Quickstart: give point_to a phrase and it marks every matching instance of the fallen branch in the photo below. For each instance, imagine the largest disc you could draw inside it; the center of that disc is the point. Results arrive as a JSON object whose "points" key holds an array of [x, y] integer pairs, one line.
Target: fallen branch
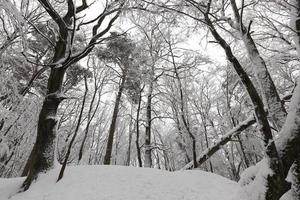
{"points": [[205, 155]]}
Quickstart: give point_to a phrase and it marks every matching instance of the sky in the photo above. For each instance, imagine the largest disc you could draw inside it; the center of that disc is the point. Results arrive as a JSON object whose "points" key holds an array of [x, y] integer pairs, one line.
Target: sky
{"points": [[194, 41]]}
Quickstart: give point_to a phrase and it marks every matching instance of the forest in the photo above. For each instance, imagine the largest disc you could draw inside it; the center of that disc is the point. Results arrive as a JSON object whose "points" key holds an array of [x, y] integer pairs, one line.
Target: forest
{"points": [[174, 85]]}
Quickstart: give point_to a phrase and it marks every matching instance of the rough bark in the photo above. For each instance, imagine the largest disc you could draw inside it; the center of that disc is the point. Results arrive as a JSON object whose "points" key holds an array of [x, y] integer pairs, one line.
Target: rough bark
{"points": [[62, 59], [295, 167], [275, 181], [288, 144], [46, 131]]}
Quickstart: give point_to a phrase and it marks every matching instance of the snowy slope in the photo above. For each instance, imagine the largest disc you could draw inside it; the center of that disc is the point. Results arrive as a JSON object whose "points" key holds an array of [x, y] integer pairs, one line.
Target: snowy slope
{"points": [[122, 183]]}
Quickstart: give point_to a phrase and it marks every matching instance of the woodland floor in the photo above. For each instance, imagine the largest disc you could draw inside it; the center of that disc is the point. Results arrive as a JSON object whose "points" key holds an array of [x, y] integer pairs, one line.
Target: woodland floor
{"points": [[122, 183]]}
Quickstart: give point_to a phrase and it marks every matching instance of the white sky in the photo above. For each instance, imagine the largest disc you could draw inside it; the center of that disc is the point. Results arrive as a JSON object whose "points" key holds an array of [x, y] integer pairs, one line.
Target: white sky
{"points": [[214, 51]]}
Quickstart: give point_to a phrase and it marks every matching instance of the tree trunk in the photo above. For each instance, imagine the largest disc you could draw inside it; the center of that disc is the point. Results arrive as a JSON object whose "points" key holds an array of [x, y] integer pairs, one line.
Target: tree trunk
{"points": [[269, 92], [90, 118], [137, 141], [46, 130], [62, 170], [182, 109], [275, 181], [233, 122], [296, 165], [111, 133], [128, 154], [206, 142], [148, 148], [218, 145]]}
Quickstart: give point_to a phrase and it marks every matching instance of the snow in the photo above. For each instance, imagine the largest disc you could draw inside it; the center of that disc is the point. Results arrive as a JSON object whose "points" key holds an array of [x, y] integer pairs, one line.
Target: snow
{"points": [[11, 10], [122, 183], [253, 182], [288, 196], [233, 132], [290, 129]]}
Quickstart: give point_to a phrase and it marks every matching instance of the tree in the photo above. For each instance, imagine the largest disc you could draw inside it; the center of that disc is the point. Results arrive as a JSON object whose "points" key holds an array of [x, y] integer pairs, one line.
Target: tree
{"points": [[120, 51], [276, 184], [63, 58]]}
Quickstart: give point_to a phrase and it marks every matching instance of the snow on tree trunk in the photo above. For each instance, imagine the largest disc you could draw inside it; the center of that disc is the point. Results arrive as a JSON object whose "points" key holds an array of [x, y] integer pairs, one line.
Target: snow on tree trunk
{"points": [[222, 141], [46, 131], [270, 95], [275, 180], [288, 150], [269, 92], [61, 60]]}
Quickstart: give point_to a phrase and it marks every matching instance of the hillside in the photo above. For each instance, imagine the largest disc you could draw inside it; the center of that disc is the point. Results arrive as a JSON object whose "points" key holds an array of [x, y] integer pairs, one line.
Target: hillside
{"points": [[122, 183]]}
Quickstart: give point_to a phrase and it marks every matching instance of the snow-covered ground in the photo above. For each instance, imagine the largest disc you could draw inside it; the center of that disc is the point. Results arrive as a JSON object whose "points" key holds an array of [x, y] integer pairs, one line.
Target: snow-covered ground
{"points": [[122, 183]]}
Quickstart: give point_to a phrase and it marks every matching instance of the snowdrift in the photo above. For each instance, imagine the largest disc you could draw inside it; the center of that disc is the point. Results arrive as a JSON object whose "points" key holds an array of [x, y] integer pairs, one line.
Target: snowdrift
{"points": [[121, 183]]}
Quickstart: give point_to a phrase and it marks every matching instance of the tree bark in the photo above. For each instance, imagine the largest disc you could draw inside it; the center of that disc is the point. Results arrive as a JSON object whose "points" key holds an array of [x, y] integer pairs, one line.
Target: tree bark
{"points": [[46, 131], [269, 92], [130, 132], [148, 148], [206, 142], [111, 132], [137, 140], [90, 117], [62, 59], [275, 181]]}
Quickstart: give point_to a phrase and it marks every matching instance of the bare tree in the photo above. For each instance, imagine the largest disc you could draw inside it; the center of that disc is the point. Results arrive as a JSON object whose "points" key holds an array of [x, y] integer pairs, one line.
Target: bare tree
{"points": [[64, 56]]}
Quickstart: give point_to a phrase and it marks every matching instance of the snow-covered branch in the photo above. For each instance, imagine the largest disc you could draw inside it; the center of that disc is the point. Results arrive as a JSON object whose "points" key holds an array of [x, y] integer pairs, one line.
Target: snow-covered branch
{"points": [[222, 141]]}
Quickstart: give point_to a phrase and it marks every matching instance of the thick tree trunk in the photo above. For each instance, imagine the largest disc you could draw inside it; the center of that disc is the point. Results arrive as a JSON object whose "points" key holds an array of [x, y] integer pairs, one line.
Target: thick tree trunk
{"points": [[269, 92], [46, 130], [46, 134], [275, 181], [295, 16]]}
